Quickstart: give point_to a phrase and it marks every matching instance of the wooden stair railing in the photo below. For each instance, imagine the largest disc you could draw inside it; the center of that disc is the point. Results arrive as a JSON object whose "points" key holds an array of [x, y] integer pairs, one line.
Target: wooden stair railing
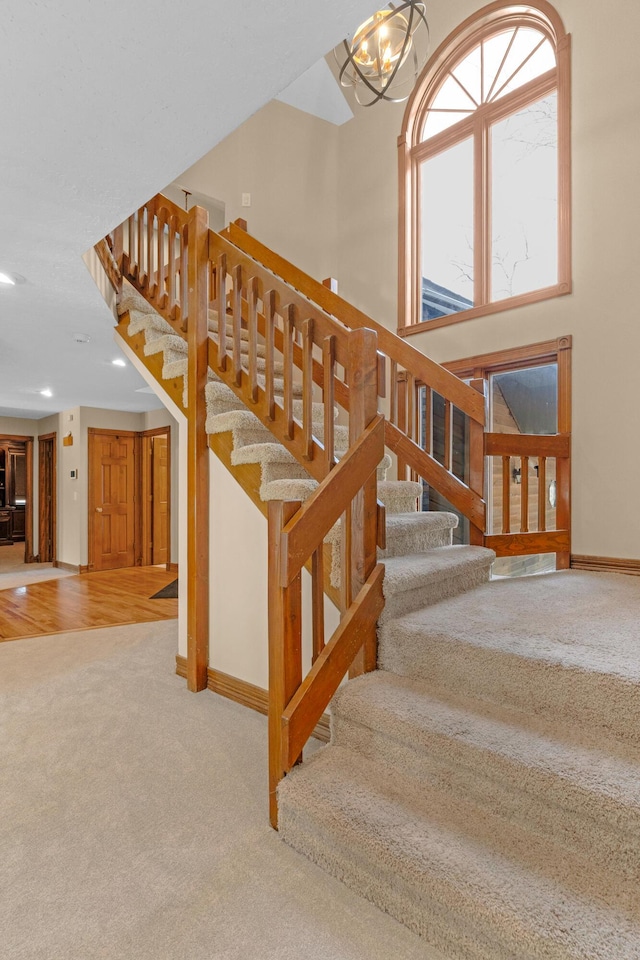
{"points": [[403, 364], [296, 534], [191, 275], [330, 350], [542, 527]]}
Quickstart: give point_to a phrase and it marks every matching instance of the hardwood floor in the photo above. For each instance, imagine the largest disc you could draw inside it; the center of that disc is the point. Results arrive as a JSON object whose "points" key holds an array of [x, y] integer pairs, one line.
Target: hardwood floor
{"points": [[81, 602]]}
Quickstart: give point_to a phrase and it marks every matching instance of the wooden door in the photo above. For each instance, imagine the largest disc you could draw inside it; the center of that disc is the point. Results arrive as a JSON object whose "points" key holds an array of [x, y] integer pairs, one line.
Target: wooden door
{"points": [[112, 513], [47, 498], [160, 498]]}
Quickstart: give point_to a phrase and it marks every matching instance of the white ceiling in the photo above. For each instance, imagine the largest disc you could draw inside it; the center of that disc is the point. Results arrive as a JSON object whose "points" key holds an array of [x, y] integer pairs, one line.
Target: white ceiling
{"points": [[102, 105]]}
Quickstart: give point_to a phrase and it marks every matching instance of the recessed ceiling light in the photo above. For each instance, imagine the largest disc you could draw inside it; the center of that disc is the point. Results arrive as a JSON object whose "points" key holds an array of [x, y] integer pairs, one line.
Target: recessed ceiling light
{"points": [[46, 393], [12, 278], [119, 362], [81, 337]]}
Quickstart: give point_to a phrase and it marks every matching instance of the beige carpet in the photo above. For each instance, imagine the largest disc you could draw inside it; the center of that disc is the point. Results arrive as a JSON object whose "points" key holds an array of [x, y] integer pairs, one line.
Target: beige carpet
{"points": [[484, 786], [133, 819]]}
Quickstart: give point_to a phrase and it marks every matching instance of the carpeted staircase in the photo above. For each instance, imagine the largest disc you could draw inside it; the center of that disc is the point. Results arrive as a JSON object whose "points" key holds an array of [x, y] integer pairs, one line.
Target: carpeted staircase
{"points": [[483, 785]]}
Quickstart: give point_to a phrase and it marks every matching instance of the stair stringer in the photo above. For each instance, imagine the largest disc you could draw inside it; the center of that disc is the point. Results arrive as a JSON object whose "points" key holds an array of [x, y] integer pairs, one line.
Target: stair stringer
{"points": [[250, 666], [247, 475]]}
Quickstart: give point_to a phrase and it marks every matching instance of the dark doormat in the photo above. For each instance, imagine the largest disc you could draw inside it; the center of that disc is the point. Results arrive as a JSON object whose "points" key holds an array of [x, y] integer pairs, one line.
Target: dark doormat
{"points": [[170, 592]]}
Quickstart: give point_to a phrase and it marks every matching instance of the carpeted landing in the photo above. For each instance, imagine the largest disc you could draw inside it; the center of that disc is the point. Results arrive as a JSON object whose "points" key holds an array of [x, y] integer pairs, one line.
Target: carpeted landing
{"points": [[134, 819], [483, 786]]}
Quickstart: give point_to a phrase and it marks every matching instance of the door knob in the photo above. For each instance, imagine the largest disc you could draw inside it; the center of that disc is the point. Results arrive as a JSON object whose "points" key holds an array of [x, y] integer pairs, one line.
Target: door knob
{"points": [[98, 509]]}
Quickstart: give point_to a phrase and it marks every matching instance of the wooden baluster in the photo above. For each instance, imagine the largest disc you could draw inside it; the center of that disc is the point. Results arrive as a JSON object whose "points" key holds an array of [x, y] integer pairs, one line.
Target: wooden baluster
{"points": [[346, 553], [152, 280], [307, 388], [133, 264], [236, 313], [524, 494], [285, 643], [142, 275], [172, 267], [477, 463], [411, 406], [448, 435], [402, 418], [382, 375], [506, 495], [329, 399], [161, 291], [428, 420], [271, 312], [118, 246], [363, 407], [393, 384], [289, 333], [197, 230], [542, 494], [317, 599], [184, 280], [255, 294], [221, 308]]}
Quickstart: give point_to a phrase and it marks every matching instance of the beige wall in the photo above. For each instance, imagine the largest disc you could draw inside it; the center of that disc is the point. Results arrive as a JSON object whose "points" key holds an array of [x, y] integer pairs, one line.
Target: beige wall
{"points": [[326, 197], [288, 161], [599, 314]]}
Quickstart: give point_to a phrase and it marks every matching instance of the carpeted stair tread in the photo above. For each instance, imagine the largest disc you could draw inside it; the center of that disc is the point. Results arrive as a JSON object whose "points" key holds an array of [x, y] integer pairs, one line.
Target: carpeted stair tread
{"points": [[143, 322], [164, 341], [582, 798], [262, 453], [458, 893], [129, 299], [539, 645], [289, 489]]}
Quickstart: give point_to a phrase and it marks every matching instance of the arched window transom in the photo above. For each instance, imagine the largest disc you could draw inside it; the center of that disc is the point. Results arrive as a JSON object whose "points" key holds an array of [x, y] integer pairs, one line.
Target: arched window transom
{"points": [[485, 157]]}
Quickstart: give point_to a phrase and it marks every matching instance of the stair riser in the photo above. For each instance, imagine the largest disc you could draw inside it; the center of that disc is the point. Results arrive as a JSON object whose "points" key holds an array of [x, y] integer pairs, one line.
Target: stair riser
{"points": [[430, 592], [605, 705], [600, 831], [404, 543], [283, 471]]}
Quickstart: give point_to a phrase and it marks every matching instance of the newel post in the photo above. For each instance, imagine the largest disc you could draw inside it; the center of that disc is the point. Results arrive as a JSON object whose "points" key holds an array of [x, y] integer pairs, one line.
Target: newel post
{"points": [[285, 642], [197, 451], [363, 407], [477, 463]]}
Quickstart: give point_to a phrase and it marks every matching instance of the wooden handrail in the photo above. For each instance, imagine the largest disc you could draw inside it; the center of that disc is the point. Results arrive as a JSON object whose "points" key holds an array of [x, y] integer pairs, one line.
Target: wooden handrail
{"points": [[459, 495], [527, 445], [407, 369], [397, 349]]}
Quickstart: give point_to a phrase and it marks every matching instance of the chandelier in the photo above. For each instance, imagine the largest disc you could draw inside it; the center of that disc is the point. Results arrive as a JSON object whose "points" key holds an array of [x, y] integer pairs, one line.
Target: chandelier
{"points": [[388, 50]]}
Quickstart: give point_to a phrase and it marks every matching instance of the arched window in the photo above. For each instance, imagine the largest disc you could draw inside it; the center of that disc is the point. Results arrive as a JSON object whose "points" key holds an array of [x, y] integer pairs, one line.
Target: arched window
{"points": [[485, 170]]}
